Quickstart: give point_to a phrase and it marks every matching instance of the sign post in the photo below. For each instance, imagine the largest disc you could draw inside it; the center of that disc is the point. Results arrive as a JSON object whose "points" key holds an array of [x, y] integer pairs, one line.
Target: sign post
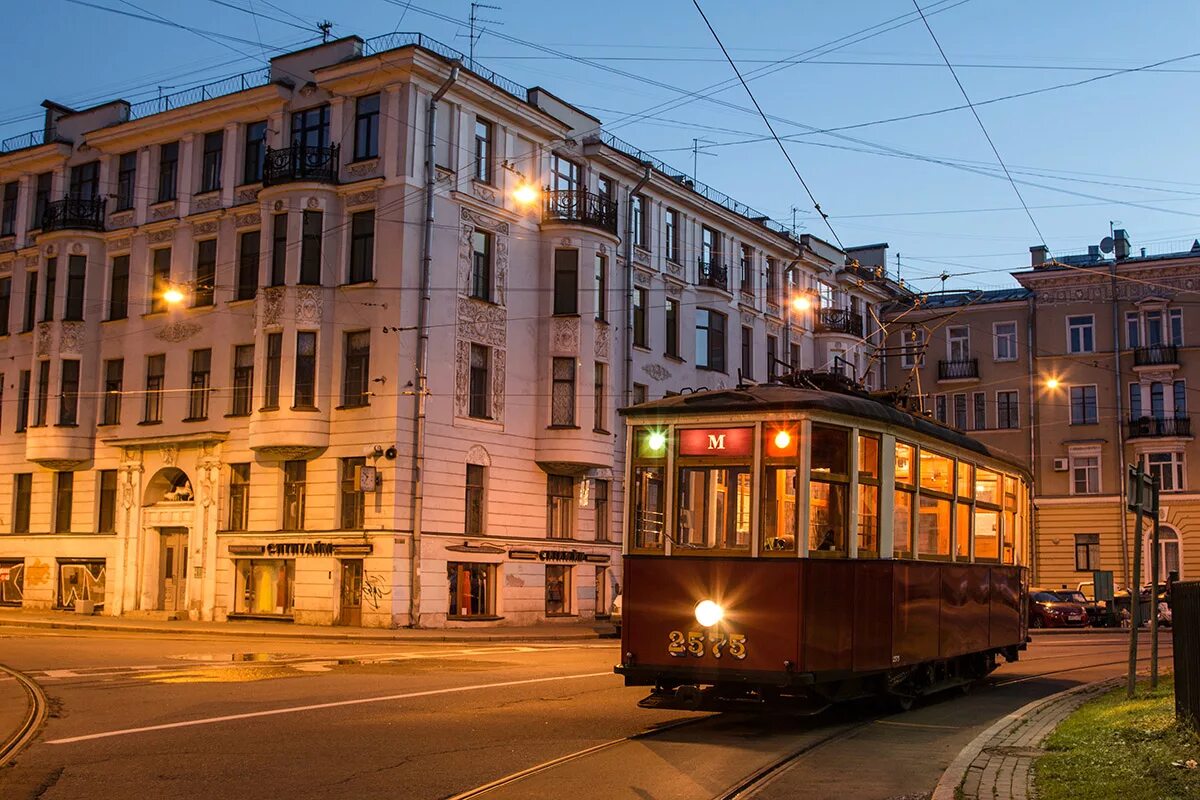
{"points": [[1141, 496], [1154, 594]]}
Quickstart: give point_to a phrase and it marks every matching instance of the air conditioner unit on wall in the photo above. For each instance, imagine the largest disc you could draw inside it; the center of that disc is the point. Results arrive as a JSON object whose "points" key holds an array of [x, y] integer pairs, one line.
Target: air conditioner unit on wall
{"points": [[1061, 465]]}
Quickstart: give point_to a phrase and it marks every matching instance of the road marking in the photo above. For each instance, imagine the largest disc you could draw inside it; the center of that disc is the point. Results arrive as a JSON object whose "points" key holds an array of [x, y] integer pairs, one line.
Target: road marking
{"points": [[918, 725], [317, 706]]}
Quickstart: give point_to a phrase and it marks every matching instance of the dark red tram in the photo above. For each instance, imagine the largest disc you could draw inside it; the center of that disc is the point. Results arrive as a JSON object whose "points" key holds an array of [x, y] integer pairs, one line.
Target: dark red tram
{"points": [[789, 544]]}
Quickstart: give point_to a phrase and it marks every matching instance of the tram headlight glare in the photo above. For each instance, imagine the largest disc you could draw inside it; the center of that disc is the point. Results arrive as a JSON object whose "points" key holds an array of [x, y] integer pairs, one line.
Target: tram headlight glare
{"points": [[783, 439], [656, 441], [709, 613]]}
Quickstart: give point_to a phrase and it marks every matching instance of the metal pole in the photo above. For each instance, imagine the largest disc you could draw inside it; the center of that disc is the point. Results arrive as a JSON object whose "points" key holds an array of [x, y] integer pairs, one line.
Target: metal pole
{"points": [[1120, 398], [1154, 594], [1134, 594]]}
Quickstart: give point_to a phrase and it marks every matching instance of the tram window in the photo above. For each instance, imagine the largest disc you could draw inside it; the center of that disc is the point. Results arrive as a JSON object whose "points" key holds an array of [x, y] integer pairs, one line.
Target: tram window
{"points": [[868, 520], [933, 528], [868, 457], [779, 509], [651, 445], [830, 450], [904, 463], [987, 534], [826, 517], [966, 480], [648, 496], [1008, 551], [962, 531], [937, 472], [714, 507], [781, 441], [902, 524], [987, 486]]}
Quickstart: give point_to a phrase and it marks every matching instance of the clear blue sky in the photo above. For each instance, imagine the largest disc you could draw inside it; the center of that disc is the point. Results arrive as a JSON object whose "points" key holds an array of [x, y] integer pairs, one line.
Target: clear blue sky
{"points": [[1099, 147]]}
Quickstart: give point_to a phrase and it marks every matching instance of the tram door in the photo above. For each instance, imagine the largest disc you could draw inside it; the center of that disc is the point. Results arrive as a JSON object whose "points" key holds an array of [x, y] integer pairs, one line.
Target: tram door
{"points": [[352, 584], [173, 568]]}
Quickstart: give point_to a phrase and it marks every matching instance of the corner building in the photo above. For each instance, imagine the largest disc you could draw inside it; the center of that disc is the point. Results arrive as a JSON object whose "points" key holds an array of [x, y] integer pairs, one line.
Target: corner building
{"points": [[225, 396]]}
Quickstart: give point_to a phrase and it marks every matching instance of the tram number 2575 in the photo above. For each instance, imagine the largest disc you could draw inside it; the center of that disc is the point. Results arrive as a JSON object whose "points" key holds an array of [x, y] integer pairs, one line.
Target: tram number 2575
{"points": [[695, 643]]}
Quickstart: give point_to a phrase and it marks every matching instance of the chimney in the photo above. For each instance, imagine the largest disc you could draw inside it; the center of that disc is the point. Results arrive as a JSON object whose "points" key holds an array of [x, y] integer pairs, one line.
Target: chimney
{"points": [[1038, 254], [1121, 245]]}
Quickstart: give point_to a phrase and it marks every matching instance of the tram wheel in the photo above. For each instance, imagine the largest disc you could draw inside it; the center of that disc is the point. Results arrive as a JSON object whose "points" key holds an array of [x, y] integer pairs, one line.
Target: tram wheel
{"points": [[901, 702]]}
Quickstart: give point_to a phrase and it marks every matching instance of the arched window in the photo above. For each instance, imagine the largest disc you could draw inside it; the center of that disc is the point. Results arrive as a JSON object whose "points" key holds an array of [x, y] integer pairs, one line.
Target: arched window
{"points": [[1170, 554]]}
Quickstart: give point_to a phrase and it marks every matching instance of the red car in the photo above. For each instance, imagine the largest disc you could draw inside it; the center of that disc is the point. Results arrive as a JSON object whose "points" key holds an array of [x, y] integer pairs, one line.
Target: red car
{"points": [[1050, 610]]}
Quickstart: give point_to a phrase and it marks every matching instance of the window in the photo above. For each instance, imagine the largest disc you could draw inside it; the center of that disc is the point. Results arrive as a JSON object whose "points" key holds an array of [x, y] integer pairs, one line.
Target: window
{"points": [[640, 393], [8, 217], [31, 289], [305, 389], [168, 166], [605, 187], [1006, 410], [481, 265], [43, 394], [1085, 474], [1168, 468], [41, 197], [118, 288], [295, 475], [1175, 326], [601, 287], [210, 163], [958, 343], [247, 271], [829, 471], [1087, 552], [1005, 335], [562, 397], [747, 269], [274, 367], [566, 281], [599, 406], [979, 411], [868, 496], [310, 248], [747, 352], [114, 383], [85, 181], [472, 589], [239, 496], [279, 235], [1179, 393], [160, 279], [641, 301], [564, 174], [1081, 334], [1157, 399], [637, 207], [912, 353], [199, 384], [22, 501], [603, 514], [366, 127], [106, 518], [960, 411], [310, 127], [23, 400], [558, 590], [473, 523], [710, 340], [243, 380], [5, 304], [479, 402], [264, 586], [671, 229], [51, 286], [356, 365], [68, 396], [773, 281], [902, 505], [939, 405], [1135, 400], [206, 273], [560, 500], [483, 150], [76, 280], [710, 256], [362, 246], [64, 495], [255, 152], [1083, 405], [772, 356], [353, 500], [155, 371]]}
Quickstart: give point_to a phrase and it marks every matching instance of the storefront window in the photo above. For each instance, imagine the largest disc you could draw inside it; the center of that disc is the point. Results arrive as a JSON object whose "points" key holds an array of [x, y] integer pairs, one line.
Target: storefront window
{"points": [[779, 509], [714, 507], [12, 582], [558, 589], [265, 586], [472, 589], [827, 517], [933, 528], [81, 580]]}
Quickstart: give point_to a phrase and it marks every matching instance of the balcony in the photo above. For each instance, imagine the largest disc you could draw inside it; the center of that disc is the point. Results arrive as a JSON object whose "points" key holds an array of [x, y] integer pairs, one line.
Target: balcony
{"points": [[581, 207], [839, 320], [965, 370], [301, 162], [1152, 427], [1156, 355], [713, 274], [74, 213]]}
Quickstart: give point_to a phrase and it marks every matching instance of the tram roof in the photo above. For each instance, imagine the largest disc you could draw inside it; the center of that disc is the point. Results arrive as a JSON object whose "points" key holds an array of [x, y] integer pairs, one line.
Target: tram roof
{"points": [[776, 397]]}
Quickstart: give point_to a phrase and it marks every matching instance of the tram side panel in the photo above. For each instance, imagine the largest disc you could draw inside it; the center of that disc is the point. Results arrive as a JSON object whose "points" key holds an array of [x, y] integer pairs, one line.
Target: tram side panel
{"points": [[873, 595], [828, 615], [1007, 627], [966, 612]]}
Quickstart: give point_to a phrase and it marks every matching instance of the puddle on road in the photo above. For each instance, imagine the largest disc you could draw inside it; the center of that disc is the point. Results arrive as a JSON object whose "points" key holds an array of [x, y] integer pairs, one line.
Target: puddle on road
{"points": [[236, 657], [221, 675]]}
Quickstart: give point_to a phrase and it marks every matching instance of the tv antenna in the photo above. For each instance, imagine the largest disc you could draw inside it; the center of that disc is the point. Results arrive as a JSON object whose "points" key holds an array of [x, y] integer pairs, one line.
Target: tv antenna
{"points": [[697, 151], [475, 20], [324, 26]]}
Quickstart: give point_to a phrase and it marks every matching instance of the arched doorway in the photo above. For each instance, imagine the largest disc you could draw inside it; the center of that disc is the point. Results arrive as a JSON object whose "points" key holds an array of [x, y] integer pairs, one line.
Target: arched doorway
{"points": [[170, 490], [1170, 554]]}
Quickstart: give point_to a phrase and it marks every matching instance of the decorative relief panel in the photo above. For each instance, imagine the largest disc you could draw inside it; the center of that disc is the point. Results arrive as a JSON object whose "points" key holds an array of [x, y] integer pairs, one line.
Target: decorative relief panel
{"points": [[603, 333], [498, 372], [674, 289], [247, 220], [207, 203], [313, 204], [164, 211], [483, 192], [6, 267], [675, 269], [363, 169], [205, 228], [157, 237], [462, 376], [500, 255], [481, 322], [71, 340], [485, 222], [564, 335], [119, 244], [245, 196], [175, 332], [45, 338], [656, 371], [363, 198], [8, 244], [642, 278], [270, 306], [76, 249], [308, 304], [774, 328], [747, 318], [641, 257]]}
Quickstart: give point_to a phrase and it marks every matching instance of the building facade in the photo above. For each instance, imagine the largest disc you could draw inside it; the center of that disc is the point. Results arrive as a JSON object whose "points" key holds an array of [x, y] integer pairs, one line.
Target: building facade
{"points": [[342, 342], [1085, 369]]}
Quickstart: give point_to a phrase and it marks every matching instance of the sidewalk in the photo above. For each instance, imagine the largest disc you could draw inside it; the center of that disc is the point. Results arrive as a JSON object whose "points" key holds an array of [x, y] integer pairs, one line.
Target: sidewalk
{"points": [[65, 620], [998, 764]]}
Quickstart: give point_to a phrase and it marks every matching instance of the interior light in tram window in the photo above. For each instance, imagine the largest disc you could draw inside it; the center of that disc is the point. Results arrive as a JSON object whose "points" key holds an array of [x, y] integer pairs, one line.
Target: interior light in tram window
{"points": [[651, 443], [783, 439], [657, 440], [782, 442]]}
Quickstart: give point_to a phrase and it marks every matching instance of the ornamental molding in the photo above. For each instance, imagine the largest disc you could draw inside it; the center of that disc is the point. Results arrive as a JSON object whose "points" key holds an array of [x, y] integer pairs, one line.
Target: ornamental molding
{"points": [[166, 235], [674, 289], [747, 318], [500, 254], [462, 381], [313, 204], [481, 322], [205, 228], [51, 250], [774, 328], [483, 192], [278, 205], [364, 198], [603, 337], [363, 169], [564, 335], [309, 302], [164, 211], [8, 244], [169, 454], [119, 244], [478, 456], [6, 267], [483, 221], [287, 452], [641, 257], [45, 338], [270, 306], [642, 277], [175, 332], [206, 203], [656, 371], [247, 220], [76, 249], [246, 196], [675, 269], [71, 338]]}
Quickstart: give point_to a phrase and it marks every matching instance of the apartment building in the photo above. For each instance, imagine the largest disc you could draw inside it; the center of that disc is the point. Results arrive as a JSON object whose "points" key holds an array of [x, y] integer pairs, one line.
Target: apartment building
{"points": [[1083, 370], [258, 338]]}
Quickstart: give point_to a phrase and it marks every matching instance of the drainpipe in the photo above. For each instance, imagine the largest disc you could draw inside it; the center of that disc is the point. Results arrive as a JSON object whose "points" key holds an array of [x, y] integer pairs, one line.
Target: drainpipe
{"points": [[1034, 418], [629, 283], [1131, 580], [422, 359]]}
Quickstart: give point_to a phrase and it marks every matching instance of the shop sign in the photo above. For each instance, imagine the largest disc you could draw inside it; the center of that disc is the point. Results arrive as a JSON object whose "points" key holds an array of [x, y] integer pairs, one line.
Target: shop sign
{"points": [[730, 442], [300, 549], [558, 556]]}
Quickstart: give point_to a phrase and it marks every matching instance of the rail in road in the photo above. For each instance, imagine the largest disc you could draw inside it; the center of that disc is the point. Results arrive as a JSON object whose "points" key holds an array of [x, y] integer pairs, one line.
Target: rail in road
{"points": [[30, 721]]}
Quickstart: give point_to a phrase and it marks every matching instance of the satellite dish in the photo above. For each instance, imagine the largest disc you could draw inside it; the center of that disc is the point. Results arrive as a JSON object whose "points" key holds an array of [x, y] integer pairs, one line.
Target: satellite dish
{"points": [[1106, 244]]}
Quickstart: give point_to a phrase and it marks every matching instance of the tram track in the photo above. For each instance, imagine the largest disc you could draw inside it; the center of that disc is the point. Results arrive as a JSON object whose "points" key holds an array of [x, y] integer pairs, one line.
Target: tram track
{"points": [[35, 715]]}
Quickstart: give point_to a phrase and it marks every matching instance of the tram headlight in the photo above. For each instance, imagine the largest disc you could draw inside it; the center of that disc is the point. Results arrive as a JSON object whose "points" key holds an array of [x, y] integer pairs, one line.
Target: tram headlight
{"points": [[709, 613]]}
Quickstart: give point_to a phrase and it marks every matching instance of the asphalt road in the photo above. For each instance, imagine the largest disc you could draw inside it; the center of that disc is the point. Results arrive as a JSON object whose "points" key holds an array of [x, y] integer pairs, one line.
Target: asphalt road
{"points": [[149, 716]]}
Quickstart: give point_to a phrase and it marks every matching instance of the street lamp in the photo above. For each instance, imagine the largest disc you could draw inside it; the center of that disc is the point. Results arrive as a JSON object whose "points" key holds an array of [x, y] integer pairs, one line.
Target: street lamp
{"points": [[172, 296], [1052, 383], [526, 194]]}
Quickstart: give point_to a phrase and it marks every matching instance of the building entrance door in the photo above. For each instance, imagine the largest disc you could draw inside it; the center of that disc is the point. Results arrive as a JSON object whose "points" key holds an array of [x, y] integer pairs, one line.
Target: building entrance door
{"points": [[352, 584], [172, 568]]}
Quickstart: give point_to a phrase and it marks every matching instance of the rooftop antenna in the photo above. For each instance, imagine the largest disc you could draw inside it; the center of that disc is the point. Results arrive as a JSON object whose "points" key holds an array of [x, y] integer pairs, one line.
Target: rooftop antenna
{"points": [[898, 278], [160, 97], [794, 210], [698, 151], [324, 26], [944, 276], [475, 19]]}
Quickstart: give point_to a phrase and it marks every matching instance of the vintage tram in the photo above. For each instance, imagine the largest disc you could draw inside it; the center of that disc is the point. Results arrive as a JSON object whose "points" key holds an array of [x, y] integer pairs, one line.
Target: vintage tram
{"points": [[801, 546]]}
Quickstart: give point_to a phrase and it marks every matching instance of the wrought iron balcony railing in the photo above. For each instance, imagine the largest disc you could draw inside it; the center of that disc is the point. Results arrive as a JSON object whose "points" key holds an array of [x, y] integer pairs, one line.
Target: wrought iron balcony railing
{"points": [[1155, 355], [714, 274], [582, 206], [74, 213], [1142, 427], [301, 162], [958, 370], [839, 320]]}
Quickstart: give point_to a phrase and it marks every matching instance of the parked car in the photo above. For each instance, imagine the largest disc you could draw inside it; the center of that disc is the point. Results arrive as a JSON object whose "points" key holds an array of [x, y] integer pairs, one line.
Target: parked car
{"points": [[1048, 610], [1097, 610], [614, 614]]}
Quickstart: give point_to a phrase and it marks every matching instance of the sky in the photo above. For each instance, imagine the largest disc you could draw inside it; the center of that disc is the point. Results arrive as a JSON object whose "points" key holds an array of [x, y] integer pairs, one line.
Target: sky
{"points": [[1118, 149]]}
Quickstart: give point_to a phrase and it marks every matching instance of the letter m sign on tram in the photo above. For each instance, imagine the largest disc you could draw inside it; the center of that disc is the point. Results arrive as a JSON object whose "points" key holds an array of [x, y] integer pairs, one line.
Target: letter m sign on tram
{"points": [[1140, 493]]}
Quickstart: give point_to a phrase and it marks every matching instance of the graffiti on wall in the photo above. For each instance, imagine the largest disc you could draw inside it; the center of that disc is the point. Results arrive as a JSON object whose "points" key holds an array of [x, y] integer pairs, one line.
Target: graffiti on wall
{"points": [[81, 580], [374, 590], [12, 583]]}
